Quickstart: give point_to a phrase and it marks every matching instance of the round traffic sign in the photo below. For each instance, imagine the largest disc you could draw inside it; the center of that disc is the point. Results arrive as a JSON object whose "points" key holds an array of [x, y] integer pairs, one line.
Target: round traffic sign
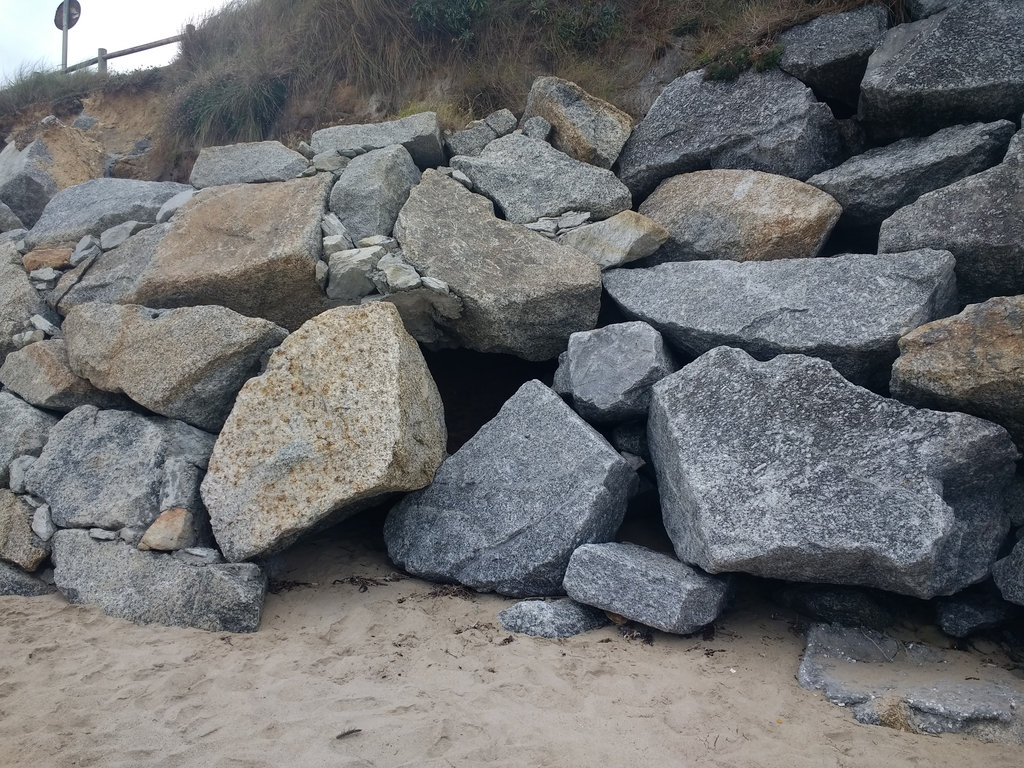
{"points": [[74, 13]]}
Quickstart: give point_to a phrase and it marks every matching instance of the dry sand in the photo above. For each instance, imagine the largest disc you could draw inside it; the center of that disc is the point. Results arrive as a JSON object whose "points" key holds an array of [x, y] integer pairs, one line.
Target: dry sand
{"points": [[351, 668]]}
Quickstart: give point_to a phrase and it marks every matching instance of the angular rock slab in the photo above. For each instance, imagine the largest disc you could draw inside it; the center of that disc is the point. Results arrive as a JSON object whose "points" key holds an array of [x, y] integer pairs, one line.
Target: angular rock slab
{"points": [[9, 219], [645, 586], [41, 375], [740, 216], [14, 581], [26, 181], [419, 134], [625, 237], [785, 470], [830, 53], [850, 310], [879, 678], [18, 545], [19, 301], [610, 371], [117, 469], [962, 65], [24, 431], [762, 121], [584, 127], [345, 414], [972, 362], [186, 364], [522, 294], [551, 618], [151, 588], [978, 220], [872, 186], [250, 248], [249, 163], [372, 190], [505, 513], [529, 179], [96, 206]]}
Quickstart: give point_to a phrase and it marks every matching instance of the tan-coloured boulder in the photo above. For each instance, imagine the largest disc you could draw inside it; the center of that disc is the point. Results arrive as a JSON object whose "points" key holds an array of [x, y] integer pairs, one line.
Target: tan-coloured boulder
{"points": [[251, 248], [174, 529], [41, 375], [625, 237], [971, 362], [522, 294], [185, 363], [55, 257], [345, 414], [17, 543], [740, 216], [584, 127]]}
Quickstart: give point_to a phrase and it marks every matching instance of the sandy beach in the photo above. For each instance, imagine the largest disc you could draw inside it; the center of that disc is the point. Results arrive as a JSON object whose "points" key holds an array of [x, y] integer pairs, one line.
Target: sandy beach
{"points": [[357, 665]]}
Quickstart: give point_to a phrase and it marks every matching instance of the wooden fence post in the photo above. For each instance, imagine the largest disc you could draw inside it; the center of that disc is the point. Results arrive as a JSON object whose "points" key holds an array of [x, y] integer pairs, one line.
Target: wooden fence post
{"points": [[101, 61]]}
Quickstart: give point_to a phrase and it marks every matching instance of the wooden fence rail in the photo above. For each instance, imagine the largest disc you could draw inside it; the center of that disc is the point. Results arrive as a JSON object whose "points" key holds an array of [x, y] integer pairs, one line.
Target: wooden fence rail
{"points": [[102, 57]]}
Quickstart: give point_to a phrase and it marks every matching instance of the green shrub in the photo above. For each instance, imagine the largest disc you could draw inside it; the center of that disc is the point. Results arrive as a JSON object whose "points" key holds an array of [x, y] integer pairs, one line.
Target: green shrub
{"points": [[227, 106]]}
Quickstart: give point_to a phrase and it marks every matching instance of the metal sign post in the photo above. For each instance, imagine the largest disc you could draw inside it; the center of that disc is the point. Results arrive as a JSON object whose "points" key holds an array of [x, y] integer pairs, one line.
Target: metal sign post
{"points": [[67, 15]]}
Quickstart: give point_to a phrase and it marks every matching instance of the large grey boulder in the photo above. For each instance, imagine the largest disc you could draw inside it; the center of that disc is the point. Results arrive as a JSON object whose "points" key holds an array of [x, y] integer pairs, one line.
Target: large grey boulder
{"points": [[645, 586], [14, 581], [97, 205], [19, 301], [345, 415], [26, 180], [978, 220], [872, 186], [1008, 574], [625, 237], [9, 219], [609, 372], [529, 179], [24, 431], [372, 190], [109, 277], [522, 294], [252, 248], [40, 374], [741, 216], [507, 510], [472, 139], [786, 470], [584, 127], [151, 588], [850, 310], [972, 362], [762, 121], [964, 64], [117, 469], [419, 134], [551, 618], [249, 163], [830, 53], [185, 364]]}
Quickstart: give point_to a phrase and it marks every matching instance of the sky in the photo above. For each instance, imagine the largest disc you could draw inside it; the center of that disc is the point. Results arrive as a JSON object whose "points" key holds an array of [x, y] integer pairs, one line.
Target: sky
{"points": [[29, 39]]}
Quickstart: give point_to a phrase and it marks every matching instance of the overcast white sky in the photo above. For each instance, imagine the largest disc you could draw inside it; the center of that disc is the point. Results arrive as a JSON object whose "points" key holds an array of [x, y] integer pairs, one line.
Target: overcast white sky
{"points": [[29, 38]]}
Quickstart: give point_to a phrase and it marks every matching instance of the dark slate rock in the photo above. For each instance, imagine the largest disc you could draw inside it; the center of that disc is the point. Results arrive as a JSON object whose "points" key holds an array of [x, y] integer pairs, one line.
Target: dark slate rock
{"points": [[978, 220], [14, 581], [847, 606], [529, 179], [878, 677], [9, 221], [850, 310], [551, 618], [26, 184], [830, 53], [921, 9], [645, 586], [786, 470], [609, 372], [97, 205], [631, 437], [152, 588], [763, 121], [1008, 574], [876, 184], [420, 134], [24, 431], [972, 611], [117, 469], [372, 190], [962, 65], [507, 510]]}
